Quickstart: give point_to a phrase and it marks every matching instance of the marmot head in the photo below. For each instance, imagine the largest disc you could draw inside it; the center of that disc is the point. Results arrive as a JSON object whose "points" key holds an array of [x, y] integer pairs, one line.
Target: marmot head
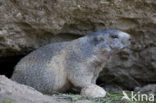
{"points": [[112, 40]]}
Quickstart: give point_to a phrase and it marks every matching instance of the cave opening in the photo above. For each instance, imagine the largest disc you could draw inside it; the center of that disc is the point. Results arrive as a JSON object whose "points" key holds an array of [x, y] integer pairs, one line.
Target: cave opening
{"points": [[7, 64]]}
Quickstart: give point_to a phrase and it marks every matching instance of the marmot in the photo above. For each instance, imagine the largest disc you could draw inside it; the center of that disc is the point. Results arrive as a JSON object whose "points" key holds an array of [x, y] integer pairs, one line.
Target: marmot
{"points": [[58, 66]]}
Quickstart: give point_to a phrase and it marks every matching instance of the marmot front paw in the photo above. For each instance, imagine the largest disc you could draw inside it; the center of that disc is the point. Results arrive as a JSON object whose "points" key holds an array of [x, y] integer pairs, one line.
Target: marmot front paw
{"points": [[93, 91]]}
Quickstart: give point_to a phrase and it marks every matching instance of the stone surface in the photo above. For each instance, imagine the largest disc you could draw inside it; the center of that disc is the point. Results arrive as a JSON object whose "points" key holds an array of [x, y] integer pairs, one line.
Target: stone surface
{"points": [[149, 89], [26, 25]]}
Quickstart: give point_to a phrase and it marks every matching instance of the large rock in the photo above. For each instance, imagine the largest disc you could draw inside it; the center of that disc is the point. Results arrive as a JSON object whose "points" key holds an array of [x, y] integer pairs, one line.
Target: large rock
{"points": [[29, 24]]}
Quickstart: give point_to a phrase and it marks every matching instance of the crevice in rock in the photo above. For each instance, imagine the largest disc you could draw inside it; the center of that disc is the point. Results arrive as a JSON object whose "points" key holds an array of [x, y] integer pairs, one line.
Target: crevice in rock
{"points": [[7, 64]]}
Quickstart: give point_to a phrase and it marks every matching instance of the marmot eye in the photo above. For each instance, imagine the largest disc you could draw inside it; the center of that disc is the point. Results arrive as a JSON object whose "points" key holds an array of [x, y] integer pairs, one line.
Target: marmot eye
{"points": [[114, 36]]}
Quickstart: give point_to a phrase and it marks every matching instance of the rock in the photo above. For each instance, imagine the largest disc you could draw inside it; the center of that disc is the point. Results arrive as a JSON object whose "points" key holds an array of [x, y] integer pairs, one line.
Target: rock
{"points": [[150, 89], [31, 24], [84, 101]]}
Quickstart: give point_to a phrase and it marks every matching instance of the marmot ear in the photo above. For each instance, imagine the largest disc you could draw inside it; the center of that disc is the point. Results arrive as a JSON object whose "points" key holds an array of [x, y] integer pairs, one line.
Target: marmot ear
{"points": [[99, 38]]}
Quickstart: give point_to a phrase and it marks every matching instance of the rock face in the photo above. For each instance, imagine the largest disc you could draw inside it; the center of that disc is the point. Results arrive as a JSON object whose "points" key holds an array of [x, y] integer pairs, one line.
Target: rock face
{"points": [[26, 25]]}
